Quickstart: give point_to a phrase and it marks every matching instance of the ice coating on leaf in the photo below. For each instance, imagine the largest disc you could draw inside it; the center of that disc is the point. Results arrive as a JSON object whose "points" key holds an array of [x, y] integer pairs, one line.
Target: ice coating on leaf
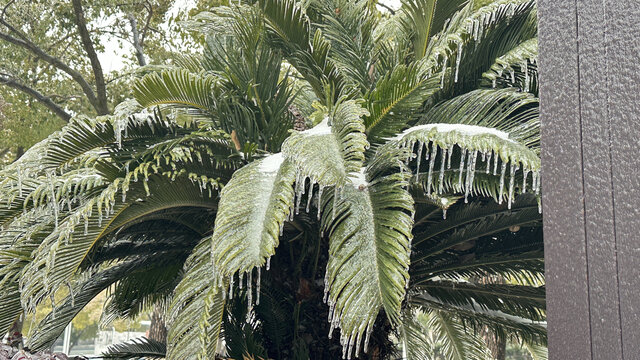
{"points": [[359, 179], [253, 206], [468, 130], [322, 128], [271, 164]]}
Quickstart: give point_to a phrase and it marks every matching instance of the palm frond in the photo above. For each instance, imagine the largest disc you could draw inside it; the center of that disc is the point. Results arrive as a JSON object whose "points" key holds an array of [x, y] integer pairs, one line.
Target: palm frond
{"points": [[177, 87], [331, 150], [196, 310], [253, 208], [136, 349], [369, 231]]}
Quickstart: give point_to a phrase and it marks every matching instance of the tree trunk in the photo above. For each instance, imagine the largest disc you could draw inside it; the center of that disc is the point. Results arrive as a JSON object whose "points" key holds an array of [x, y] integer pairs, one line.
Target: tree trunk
{"points": [[497, 345], [14, 336], [158, 329]]}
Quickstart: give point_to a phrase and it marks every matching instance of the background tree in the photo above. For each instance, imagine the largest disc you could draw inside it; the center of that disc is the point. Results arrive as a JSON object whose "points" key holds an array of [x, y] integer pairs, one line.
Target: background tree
{"points": [[52, 65]]}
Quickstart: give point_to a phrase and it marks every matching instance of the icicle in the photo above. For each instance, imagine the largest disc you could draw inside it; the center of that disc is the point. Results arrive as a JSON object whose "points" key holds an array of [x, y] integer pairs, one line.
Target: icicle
{"points": [[432, 160], [539, 180], [249, 292], [258, 287], [444, 71], [71, 294], [489, 154], [19, 181], [335, 201], [268, 263], [240, 275], [358, 341], [351, 342], [513, 76], [495, 164], [231, 287], [299, 192], [449, 156], [444, 214], [471, 168], [512, 179], [366, 338], [310, 195], [463, 155], [86, 226], [525, 174], [502, 172], [420, 146], [282, 228], [52, 200], [441, 177], [458, 59], [320, 188], [493, 83], [476, 26], [325, 297]]}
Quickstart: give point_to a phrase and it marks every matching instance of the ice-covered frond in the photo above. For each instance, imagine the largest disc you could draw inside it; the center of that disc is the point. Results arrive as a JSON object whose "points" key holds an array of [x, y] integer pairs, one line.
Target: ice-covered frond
{"points": [[290, 30], [422, 19], [330, 151], [369, 231], [396, 100], [478, 316], [253, 208], [518, 67], [194, 317], [472, 149], [432, 331], [79, 231], [467, 29], [79, 294], [466, 130]]}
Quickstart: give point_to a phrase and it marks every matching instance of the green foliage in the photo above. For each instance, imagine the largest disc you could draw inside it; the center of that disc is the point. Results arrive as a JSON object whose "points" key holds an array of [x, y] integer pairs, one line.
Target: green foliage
{"points": [[188, 195]]}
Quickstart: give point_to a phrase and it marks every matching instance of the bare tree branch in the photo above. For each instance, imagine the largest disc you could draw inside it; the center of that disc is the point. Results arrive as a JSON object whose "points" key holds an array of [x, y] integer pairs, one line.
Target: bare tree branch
{"points": [[101, 91], [137, 43], [45, 100], [75, 75]]}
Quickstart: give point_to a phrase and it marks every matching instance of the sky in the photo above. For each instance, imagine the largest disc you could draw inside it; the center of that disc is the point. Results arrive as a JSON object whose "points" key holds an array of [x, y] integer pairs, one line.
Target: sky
{"points": [[112, 59]]}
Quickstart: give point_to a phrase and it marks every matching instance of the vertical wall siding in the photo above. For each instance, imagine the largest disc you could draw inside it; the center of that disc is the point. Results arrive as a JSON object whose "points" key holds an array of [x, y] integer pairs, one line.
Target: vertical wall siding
{"points": [[590, 113]]}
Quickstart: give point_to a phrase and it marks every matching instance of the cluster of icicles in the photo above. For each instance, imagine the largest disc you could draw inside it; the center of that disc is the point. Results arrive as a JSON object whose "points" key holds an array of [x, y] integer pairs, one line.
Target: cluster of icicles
{"points": [[475, 29], [469, 164]]}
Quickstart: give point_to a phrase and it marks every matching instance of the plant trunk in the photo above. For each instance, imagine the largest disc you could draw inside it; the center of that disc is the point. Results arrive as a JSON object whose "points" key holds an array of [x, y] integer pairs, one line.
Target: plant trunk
{"points": [[158, 329], [496, 344]]}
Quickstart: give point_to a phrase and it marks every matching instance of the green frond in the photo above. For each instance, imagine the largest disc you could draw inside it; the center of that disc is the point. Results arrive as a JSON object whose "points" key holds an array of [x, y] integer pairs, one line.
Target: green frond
{"points": [[474, 317], [395, 100], [61, 254], [308, 53], [79, 295], [136, 349], [518, 67], [253, 209], [196, 310], [331, 150], [422, 19], [369, 233], [525, 301], [178, 87], [440, 145]]}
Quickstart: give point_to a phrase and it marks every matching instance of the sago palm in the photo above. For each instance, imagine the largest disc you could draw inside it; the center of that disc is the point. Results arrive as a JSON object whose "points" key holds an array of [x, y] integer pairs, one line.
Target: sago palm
{"points": [[414, 172]]}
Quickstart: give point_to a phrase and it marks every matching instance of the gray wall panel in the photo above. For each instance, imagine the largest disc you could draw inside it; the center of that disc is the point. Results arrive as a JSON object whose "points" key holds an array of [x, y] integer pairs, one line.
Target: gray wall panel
{"points": [[623, 54], [598, 191], [563, 205]]}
